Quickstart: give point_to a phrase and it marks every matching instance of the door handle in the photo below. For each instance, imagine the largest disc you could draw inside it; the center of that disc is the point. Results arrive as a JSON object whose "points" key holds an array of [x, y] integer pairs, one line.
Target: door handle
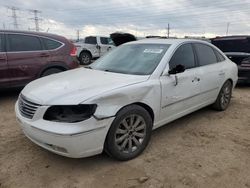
{"points": [[44, 55]]}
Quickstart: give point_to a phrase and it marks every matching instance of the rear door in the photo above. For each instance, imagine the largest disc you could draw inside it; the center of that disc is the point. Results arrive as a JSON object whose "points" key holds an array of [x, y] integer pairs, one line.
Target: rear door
{"points": [[26, 56], [212, 66], [105, 45], [4, 73]]}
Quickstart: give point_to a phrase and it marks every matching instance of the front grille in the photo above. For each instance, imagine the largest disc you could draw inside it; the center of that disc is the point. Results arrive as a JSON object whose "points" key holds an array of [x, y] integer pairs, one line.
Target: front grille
{"points": [[26, 107]]}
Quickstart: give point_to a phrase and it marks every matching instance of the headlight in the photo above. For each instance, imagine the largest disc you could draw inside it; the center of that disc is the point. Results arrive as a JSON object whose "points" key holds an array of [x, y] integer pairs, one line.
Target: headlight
{"points": [[70, 113]]}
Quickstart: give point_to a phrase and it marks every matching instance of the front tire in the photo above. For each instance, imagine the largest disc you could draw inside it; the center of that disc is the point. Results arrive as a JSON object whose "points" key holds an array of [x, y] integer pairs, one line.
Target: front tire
{"points": [[129, 133], [224, 97]]}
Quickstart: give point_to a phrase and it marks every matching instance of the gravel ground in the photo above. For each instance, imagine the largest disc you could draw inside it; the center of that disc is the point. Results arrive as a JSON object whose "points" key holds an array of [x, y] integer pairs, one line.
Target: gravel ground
{"points": [[204, 149]]}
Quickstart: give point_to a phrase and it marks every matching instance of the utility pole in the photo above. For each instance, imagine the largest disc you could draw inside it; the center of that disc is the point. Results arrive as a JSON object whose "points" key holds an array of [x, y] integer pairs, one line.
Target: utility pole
{"points": [[168, 30], [3, 25], [14, 16], [78, 35], [227, 28], [36, 19]]}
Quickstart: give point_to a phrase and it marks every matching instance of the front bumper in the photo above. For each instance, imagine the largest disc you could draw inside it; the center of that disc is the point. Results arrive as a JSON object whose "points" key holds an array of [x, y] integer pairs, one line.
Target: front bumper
{"points": [[75, 140]]}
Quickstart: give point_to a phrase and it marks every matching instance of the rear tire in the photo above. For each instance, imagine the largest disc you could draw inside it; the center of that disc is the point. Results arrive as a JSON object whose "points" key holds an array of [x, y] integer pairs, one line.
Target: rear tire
{"points": [[51, 71], [85, 58], [224, 97], [129, 133]]}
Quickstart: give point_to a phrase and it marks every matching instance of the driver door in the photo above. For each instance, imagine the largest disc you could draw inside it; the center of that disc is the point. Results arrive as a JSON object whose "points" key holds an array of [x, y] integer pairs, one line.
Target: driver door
{"points": [[180, 91]]}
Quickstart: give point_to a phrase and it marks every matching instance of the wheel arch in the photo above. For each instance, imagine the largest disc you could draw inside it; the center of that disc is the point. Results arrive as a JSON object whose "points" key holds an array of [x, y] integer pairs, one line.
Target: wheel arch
{"points": [[147, 108], [57, 66], [231, 80], [143, 105]]}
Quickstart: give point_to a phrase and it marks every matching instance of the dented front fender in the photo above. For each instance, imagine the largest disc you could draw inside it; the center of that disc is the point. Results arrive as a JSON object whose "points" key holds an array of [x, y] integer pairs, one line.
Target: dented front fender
{"points": [[109, 103]]}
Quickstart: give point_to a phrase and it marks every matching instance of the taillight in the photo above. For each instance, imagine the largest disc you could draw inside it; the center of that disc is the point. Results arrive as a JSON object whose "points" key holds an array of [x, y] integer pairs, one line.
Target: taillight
{"points": [[73, 51]]}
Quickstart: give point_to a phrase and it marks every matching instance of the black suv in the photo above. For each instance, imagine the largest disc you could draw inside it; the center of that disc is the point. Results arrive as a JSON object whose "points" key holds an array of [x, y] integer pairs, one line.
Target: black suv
{"points": [[237, 48]]}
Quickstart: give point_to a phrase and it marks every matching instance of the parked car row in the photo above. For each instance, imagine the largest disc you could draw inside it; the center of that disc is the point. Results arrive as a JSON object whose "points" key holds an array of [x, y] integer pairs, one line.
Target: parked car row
{"points": [[26, 56], [93, 47]]}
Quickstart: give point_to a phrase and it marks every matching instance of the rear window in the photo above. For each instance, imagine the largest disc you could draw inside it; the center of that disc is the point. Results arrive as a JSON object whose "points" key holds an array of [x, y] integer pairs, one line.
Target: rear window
{"points": [[23, 43], [51, 44], [90, 40], [233, 44], [106, 40]]}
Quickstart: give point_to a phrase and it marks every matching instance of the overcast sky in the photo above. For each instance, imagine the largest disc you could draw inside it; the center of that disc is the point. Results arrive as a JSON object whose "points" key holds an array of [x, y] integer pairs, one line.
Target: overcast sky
{"points": [[140, 17]]}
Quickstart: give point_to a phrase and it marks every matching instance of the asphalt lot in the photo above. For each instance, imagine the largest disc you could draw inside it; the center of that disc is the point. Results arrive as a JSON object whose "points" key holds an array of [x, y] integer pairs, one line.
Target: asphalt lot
{"points": [[204, 149]]}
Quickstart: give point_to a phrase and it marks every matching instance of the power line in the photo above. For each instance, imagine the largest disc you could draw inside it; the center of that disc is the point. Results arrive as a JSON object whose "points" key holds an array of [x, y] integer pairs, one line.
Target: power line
{"points": [[78, 35], [227, 28], [168, 30]]}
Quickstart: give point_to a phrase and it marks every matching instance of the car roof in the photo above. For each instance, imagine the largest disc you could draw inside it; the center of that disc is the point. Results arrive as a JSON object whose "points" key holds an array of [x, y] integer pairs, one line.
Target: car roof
{"points": [[44, 34], [97, 36], [233, 37], [166, 41]]}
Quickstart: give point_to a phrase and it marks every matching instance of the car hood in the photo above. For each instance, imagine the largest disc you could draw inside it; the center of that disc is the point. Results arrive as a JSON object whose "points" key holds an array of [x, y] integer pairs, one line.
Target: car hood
{"points": [[76, 86]]}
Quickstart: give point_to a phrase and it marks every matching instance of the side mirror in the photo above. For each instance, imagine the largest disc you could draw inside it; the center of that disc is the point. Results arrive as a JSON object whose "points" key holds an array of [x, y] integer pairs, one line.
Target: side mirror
{"points": [[178, 69]]}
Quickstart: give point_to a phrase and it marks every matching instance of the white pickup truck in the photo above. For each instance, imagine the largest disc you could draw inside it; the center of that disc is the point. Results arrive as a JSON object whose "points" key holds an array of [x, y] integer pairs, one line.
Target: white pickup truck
{"points": [[93, 47]]}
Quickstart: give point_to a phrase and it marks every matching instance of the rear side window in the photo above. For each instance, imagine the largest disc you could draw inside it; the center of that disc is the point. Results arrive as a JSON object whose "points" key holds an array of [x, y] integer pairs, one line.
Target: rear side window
{"points": [[51, 44], [219, 56], [104, 40], [90, 40], [23, 43], [205, 54], [184, 55]]}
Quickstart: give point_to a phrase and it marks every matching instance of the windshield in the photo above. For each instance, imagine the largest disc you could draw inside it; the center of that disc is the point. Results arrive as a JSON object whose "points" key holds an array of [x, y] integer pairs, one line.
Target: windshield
{"points": [[137, 59]]}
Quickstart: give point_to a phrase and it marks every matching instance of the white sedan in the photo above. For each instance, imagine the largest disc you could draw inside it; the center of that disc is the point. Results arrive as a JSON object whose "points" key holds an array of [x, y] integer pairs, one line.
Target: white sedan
{"points": [[114, 104]]}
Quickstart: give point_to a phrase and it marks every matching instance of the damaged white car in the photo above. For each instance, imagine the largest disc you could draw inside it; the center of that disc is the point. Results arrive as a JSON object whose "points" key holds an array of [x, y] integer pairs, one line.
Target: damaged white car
{"points": [[114, 104]]}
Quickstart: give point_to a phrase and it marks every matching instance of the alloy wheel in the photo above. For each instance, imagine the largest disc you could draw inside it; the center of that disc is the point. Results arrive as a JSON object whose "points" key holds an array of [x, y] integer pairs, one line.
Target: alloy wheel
{"points": [[225, 95], [85, 59], [130, 133]]}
